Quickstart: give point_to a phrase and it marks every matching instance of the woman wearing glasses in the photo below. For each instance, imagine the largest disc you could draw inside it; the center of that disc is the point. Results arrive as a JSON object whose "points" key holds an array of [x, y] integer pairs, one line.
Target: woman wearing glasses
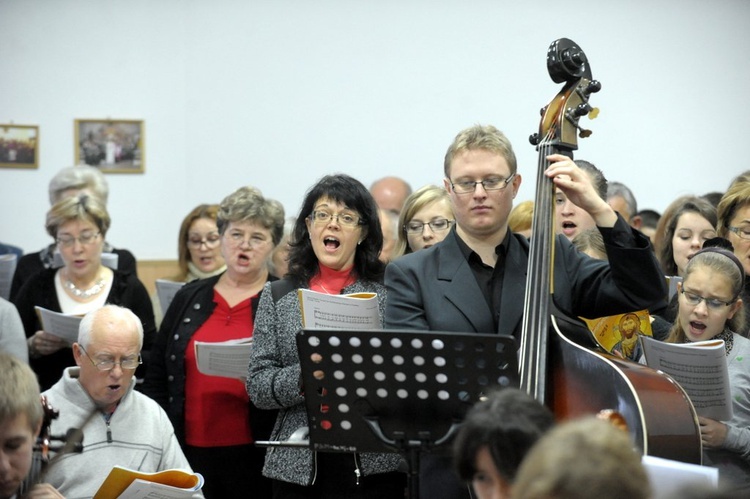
{"points": [[734, 225], [425, 220], [710, 307], [213, 418], [198, 252], [334, 250], [79, 226]]}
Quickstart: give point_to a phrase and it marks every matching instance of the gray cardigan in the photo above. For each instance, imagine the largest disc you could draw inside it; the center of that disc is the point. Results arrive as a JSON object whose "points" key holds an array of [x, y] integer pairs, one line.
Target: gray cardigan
{"points": [[273, 382]]}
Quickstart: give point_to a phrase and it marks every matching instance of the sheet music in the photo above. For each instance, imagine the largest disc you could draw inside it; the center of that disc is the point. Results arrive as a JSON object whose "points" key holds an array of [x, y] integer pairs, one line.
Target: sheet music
{"points": [[228, 359], [7, 269], [61, 325], [168, 484], [141, 489], [166, 290], [324, 311], [701, 370], [668, 477]]}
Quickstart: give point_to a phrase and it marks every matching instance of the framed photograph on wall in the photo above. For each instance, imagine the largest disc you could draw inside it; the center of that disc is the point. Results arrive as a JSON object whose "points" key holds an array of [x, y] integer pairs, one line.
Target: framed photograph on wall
{"points": [[114, 146], [19, 146]]}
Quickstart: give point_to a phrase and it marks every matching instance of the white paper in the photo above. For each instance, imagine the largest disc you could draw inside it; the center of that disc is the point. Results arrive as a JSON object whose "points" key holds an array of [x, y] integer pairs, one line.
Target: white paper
{"points": [[324, 311], [142, 489], [61, 325], [227, 358], [7, 269], [700, 368], [667, 477], [166, 290]]}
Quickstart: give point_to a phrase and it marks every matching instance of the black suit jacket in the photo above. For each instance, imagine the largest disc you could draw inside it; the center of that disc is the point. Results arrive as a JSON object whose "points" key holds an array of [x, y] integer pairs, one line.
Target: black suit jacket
{"points": [[435, 289]]}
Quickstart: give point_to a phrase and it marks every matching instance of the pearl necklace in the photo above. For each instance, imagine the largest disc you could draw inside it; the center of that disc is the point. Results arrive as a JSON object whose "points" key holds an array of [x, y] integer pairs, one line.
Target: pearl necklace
{"points": [[85, 293]]}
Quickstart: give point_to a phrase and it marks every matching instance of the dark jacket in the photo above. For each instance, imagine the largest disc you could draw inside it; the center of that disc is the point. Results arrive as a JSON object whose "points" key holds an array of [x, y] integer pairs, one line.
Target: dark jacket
{"points": [[127, 291], [31, 263], [165, 381]]}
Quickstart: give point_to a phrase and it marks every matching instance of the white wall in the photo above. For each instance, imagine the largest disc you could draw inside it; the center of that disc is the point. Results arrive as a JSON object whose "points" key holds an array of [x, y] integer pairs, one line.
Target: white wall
{"points": [[278, 93]]}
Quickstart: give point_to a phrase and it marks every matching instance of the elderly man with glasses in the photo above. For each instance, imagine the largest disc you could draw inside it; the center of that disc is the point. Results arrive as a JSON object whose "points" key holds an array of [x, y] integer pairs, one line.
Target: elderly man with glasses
{"points": [[120, 426]]}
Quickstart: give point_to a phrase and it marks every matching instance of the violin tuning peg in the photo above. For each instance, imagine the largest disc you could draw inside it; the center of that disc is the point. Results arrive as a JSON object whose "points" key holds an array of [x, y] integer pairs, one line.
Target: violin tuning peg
{"points": [[584, 134], [593, 113], [534, 139]]}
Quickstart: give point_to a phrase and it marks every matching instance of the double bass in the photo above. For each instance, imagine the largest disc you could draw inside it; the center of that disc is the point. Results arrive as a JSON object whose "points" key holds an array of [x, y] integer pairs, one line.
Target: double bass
{"points": [[560, 363]]}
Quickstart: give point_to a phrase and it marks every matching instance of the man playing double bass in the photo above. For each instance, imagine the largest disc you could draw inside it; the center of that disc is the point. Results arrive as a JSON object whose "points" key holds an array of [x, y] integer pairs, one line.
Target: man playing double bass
{"points": [[474, 281]]}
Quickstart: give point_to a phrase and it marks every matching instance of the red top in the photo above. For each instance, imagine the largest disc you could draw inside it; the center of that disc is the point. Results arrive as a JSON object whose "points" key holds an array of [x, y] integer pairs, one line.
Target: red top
{"points": [[216, 408], [331, 281]]}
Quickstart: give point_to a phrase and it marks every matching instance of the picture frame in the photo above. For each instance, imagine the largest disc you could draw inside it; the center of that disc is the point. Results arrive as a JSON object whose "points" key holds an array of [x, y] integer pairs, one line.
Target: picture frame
{"points": [[112, 145], [19, 146]]}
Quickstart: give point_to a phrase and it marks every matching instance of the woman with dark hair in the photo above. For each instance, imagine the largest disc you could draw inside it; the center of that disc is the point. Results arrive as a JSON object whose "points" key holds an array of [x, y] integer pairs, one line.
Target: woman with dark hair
{"points": [[336, 242], [213, 419]]}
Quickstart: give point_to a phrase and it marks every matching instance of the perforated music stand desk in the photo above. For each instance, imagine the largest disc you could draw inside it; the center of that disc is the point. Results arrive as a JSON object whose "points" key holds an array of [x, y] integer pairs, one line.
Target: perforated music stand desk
{"points": [[397, 391]]}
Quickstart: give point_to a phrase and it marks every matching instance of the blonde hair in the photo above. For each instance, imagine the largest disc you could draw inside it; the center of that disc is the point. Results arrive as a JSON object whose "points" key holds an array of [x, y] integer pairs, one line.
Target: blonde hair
{"points": [[19, 391], [424, 196], [521, 216], [484, 137], [81, 207], [736, 197], [582, 459]]}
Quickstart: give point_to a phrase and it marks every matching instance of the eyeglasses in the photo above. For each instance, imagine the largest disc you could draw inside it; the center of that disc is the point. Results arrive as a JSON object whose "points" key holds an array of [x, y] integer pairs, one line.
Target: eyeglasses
{"points": [[488, 184], [711, 303], [236, 239], [343, 219], [109, 364], [211, 241], [84, 239], [742, 232], [439, 224]]}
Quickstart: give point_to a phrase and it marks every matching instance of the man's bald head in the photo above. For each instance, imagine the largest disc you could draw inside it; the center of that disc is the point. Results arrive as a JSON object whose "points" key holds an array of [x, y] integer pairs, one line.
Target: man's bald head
{"points": [[390, 193]]}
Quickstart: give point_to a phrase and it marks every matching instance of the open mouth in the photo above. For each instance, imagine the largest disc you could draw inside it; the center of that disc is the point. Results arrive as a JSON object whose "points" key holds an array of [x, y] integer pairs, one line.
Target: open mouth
{"points": [[114, 388], [698, 326], [569, 225], [331, 243]]}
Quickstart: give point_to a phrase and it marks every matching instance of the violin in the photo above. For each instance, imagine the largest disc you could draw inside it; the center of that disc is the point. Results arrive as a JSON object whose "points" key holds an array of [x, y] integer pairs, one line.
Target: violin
{"points": [[560, 363], [47, 443]]}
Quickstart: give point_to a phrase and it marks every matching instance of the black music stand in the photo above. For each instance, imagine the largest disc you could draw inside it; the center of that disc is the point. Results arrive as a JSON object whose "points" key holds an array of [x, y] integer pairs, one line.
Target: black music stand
{"points": [[397, 391]]}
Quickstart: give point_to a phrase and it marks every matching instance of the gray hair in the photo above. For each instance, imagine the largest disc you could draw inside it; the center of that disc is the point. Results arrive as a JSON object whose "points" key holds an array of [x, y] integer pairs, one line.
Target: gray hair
{"points": [[109, 313], [247, 204], [78, 177], [619, 189]]}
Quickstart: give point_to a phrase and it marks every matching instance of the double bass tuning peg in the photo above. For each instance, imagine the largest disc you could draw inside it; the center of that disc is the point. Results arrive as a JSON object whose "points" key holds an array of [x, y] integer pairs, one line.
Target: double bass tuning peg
{"points": [[593, 87], [585, 109]]}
